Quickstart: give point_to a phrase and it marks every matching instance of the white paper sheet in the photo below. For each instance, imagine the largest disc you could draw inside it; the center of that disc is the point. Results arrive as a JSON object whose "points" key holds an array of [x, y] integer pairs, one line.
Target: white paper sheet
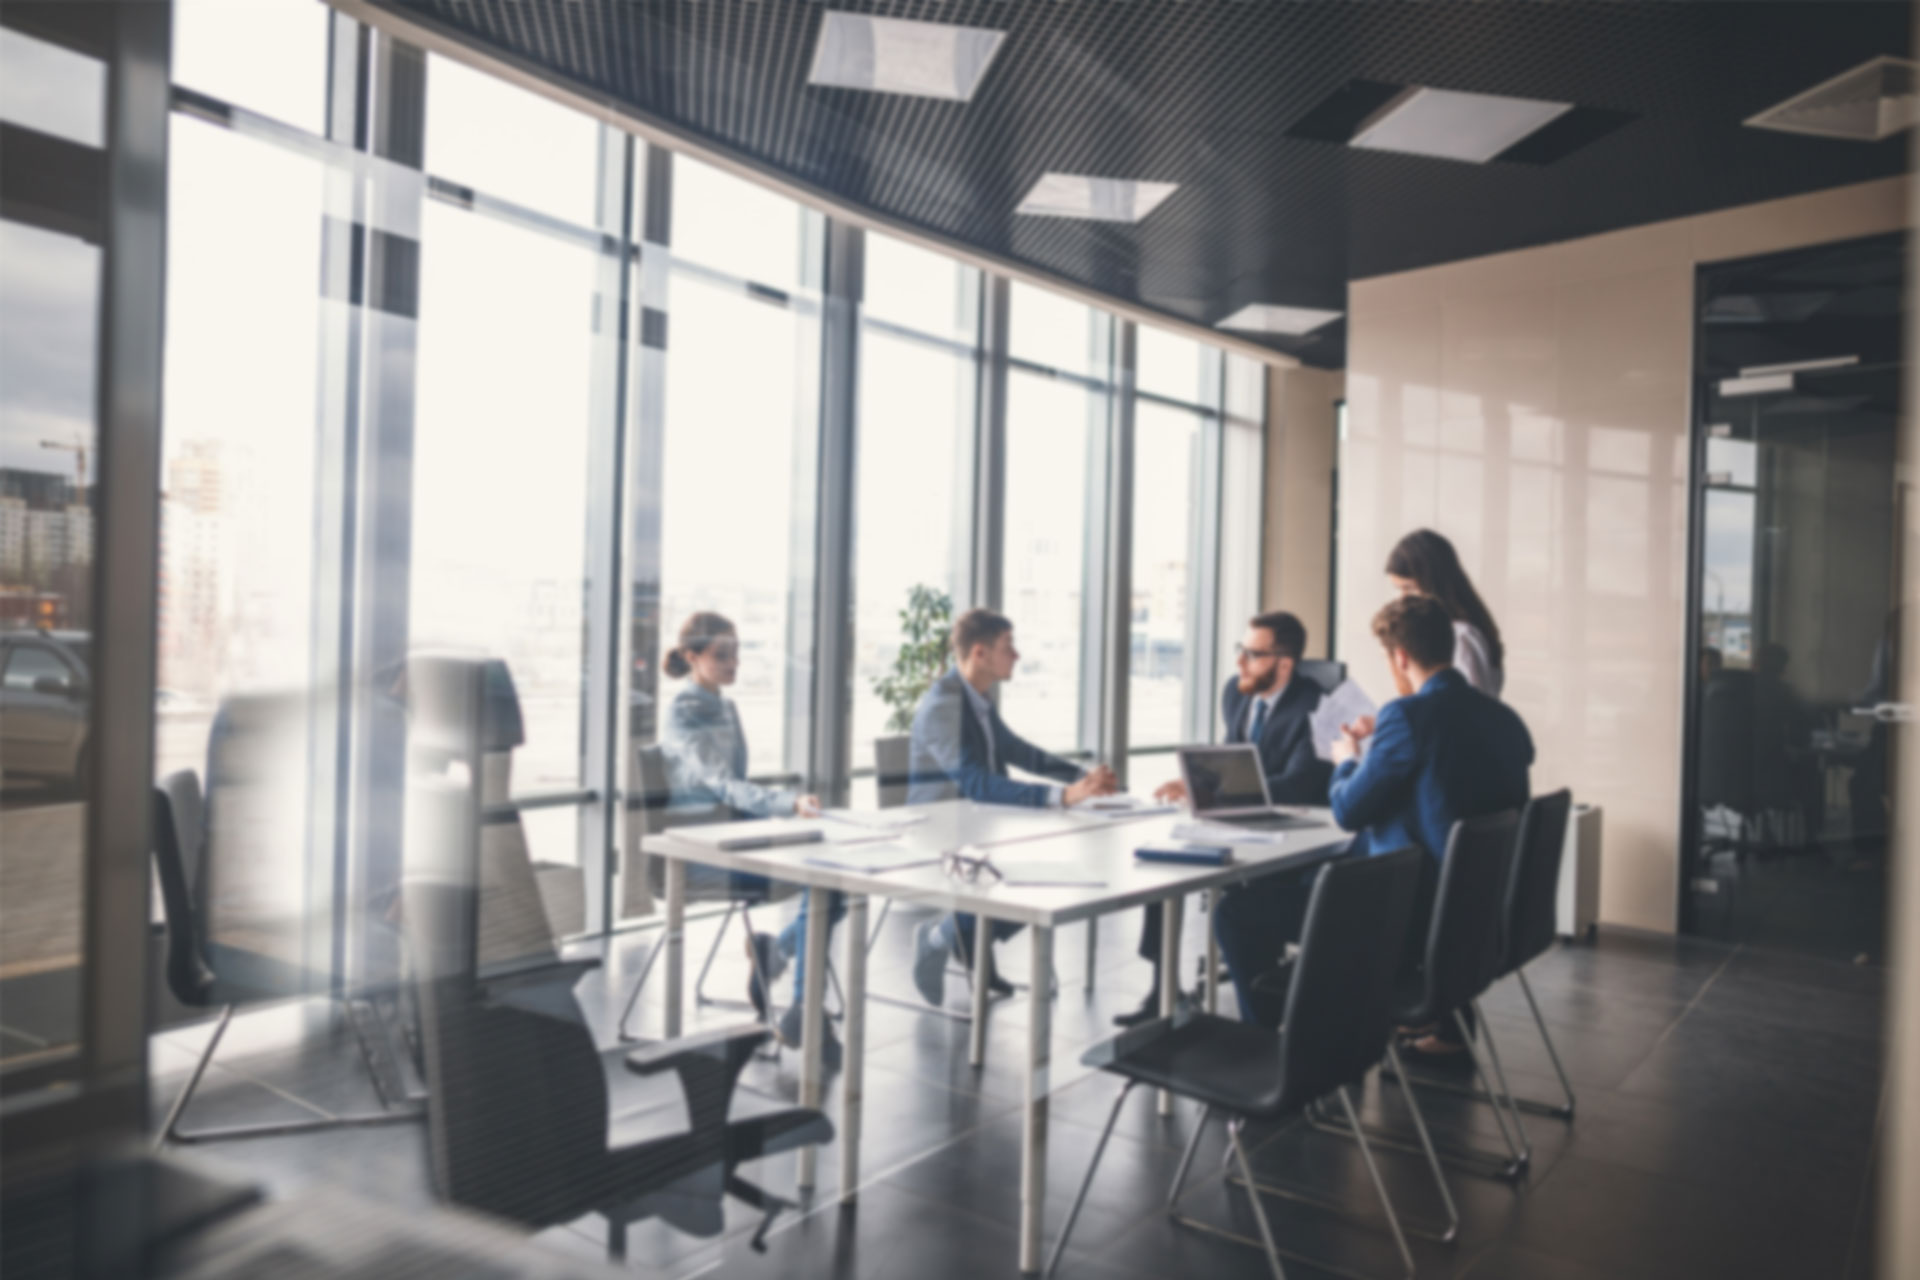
{"points": [[1343, 706]]}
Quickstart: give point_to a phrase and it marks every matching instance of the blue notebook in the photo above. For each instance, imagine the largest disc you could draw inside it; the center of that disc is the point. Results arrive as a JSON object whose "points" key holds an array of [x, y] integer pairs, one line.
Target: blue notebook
{"points": [[1204, 855]]}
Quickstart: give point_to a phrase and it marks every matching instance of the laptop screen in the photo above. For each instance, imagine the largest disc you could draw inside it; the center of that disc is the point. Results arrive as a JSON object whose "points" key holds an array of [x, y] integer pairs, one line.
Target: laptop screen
{"points": [[1222, 778]]}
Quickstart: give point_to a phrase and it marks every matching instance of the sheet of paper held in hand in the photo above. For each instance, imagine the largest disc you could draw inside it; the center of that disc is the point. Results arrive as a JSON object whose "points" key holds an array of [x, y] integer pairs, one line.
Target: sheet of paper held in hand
{"points": [[1343, 706]]}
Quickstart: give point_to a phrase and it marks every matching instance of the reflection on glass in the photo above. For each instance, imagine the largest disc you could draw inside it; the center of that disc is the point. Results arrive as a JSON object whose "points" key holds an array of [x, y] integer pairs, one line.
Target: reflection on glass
{"points": [[268, 56], [1797, 618], [510, 143], [916, 418], [49, 291], [1166, 441], [1731, 462], [1049, 438], [500, 466]]}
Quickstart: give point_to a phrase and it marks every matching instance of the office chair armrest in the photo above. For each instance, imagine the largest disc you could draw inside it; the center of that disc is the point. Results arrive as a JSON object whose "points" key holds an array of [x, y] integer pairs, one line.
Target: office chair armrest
{"points": [[709, 1066], [658, 1057]]}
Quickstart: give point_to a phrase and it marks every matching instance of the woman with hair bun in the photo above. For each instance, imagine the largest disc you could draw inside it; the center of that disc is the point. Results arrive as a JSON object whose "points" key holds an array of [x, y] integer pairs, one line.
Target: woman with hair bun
{"points": [[706, 755], [1424, 563]]}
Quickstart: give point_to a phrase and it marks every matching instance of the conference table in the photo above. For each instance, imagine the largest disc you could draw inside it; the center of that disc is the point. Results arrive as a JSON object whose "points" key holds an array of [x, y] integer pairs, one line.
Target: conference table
{"points": [[1057, 867]]}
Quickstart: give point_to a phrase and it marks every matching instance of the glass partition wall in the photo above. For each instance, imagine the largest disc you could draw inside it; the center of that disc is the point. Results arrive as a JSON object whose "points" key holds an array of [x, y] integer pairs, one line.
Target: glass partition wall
{"points": [[510, 383]]}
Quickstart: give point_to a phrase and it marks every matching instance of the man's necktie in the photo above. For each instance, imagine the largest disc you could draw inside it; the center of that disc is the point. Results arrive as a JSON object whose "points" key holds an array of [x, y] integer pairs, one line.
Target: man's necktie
{"points": [[1259, 720]]}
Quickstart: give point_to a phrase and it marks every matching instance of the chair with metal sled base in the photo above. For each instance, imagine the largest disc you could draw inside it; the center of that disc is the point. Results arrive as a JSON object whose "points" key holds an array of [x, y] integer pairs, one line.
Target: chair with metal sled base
{"points": [[1531, 926], [1336, 1027], [1463, 949], [179, 847]]}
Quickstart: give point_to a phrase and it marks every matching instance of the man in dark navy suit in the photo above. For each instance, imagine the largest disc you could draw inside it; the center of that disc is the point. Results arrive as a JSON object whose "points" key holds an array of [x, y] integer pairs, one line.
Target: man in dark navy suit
{"points": [[1440, 752], [1265, 704], [961, 747]]}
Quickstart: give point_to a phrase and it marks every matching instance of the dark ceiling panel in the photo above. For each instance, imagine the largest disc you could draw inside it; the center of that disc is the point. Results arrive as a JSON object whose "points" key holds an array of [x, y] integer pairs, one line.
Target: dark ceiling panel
{"points": [[1205, 92]]}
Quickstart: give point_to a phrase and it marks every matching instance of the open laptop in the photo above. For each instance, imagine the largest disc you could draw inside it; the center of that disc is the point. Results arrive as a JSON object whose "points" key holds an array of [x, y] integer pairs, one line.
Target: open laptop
{"points": [[1226, 784]]}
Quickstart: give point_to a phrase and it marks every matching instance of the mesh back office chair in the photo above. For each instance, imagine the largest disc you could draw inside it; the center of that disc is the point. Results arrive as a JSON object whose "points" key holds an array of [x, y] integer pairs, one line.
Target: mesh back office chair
{"points": [[658, 813], [1336, 1027], [194, 972], [518, 1100]]}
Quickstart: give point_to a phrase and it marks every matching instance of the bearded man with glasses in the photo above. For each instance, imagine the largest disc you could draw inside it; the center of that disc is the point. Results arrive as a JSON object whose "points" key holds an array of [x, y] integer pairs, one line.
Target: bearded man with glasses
{"points": [[1265, 705]]}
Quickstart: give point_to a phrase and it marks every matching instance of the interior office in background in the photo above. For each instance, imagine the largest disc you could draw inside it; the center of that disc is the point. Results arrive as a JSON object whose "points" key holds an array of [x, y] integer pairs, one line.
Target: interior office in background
{"points": [[464, 352]]}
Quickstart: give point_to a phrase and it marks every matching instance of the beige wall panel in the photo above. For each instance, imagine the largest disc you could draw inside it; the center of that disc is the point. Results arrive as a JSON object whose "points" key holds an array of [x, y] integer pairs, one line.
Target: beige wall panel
{"points": [[1535, 408]]}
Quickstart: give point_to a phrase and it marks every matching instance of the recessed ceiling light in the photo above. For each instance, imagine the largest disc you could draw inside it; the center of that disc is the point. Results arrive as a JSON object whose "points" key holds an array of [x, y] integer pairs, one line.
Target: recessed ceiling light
{"points": [[1070, 195], [1873, 101], [1454, 125], [1267, 317], [894, 55]]}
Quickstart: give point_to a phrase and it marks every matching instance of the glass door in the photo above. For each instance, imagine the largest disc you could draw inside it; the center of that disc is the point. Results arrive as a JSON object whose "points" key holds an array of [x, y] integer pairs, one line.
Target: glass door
{"points": [[1794, 593]]}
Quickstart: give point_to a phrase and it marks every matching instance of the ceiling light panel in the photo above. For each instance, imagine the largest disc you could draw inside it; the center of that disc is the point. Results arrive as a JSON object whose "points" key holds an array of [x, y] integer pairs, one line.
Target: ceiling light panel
{"points": [[1873, 101], [1071, 195], [1456, 126], [1266, 317], [894, 55]]}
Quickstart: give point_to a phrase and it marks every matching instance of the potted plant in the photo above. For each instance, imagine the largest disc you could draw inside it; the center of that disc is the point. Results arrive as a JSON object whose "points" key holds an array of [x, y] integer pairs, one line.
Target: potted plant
{"points": [[925, 627]]}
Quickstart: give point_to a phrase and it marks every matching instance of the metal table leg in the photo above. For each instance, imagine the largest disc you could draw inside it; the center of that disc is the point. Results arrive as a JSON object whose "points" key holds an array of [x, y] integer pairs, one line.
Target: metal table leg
{"points": [[1033, 1133], [1212, 980], [812, 1011], [982, 958], [853, 1067], [1172, 915], [676, 944], [1093, 948]]}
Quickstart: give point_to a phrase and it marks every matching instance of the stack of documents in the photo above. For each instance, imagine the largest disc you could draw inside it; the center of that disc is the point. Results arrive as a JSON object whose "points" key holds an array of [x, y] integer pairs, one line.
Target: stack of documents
{"points": [[1343, 706]]}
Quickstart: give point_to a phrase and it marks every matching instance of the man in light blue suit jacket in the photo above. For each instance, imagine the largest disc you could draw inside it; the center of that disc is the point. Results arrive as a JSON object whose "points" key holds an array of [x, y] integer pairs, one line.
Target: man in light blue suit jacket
{"points": [[962, 748], [1440, 752]]}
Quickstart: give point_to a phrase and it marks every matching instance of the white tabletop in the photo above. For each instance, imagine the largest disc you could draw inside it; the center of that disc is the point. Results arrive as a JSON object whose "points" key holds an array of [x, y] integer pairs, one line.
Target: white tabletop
{"points": [[1025, 843]]}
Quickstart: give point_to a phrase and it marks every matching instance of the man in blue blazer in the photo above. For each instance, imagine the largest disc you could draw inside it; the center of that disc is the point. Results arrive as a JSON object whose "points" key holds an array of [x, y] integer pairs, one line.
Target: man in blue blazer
{"points": [[961, 747], [1263, 703], [1440, 752]]}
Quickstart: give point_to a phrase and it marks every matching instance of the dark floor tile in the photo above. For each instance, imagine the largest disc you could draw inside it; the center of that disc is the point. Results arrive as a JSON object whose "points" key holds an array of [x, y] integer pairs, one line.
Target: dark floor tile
{"points": [[1804, 1008], [1315, 1243], [1741, 1150], [892, 1234], [1807, 971], [1645, 1225], [1825, 1087], [1507, 1261]]}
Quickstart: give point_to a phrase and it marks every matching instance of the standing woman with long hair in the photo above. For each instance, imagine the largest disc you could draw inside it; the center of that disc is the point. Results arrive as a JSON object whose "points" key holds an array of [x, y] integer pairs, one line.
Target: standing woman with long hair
{"points": [[1424, 563], [706, 754]]}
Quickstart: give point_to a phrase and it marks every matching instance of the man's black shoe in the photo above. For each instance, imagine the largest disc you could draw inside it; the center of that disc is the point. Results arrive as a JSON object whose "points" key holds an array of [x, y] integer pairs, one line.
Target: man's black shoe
{"points": [[1149, 1010]]}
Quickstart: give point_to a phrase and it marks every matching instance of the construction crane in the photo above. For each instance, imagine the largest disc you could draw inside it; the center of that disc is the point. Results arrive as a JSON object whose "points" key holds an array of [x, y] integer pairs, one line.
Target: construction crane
{"points": [[79, 451]]}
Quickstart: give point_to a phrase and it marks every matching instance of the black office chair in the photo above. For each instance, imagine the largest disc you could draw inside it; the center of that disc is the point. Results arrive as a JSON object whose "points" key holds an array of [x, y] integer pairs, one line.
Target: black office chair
{"points": [[1464, 946], [1337, 1024], [518, 1101], [1533, 917], [1325, 672], [1531, 924], [193, 973]]}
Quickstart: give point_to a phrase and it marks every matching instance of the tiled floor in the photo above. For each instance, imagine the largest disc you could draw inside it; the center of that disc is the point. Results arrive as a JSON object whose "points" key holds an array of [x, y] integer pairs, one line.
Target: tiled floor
{"points": [[1729, 1100]]}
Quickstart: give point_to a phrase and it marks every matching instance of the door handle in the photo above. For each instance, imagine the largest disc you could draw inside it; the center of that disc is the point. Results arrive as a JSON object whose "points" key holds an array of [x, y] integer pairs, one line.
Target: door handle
{"points": [[1889, 712]]}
